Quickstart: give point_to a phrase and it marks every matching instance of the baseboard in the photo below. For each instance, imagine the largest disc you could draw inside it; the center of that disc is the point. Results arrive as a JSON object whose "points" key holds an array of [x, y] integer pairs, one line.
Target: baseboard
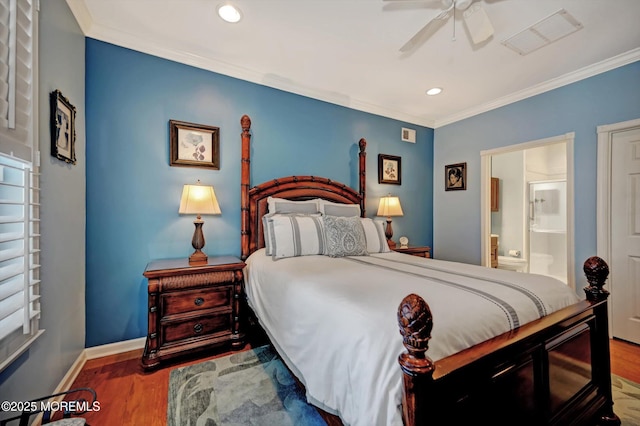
{"points": [[115, 348]]}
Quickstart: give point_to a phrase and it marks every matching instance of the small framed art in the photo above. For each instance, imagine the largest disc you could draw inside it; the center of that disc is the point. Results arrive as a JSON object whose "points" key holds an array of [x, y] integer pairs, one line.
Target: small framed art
{"points": [[455, 177], [63, 128], [389, 169], [194, 145]]}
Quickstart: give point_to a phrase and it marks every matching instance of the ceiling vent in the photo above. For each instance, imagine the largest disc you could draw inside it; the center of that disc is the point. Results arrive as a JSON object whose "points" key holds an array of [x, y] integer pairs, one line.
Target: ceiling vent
{"points": [[543, 32]]}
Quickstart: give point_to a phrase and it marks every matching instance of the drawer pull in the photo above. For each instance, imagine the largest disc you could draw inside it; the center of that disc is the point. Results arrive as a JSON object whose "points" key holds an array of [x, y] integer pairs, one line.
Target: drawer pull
{"points": [[198, 328], [198, 301]]}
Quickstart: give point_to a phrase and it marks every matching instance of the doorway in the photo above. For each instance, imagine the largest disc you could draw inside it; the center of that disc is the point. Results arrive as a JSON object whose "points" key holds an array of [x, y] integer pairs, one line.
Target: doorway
{"points": [[619, 223], [532, 221]]}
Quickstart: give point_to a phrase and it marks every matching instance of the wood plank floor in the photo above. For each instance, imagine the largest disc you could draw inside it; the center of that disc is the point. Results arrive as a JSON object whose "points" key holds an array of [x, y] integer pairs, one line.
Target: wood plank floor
{"points": [[130, 396]]}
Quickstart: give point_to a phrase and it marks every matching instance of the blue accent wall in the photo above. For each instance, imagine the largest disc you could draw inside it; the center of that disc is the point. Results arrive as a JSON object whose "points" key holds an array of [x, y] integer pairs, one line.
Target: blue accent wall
{"points": [[133, 193], [580, 107]]}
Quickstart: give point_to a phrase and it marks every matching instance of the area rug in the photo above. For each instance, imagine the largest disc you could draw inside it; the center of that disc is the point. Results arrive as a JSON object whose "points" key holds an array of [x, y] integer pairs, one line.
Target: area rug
{"points": [[255, 388], [246, 388], [626, 400]]}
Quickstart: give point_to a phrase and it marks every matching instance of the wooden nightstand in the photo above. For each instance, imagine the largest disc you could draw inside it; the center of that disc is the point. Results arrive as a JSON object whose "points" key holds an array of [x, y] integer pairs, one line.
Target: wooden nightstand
{"points": [[414, 251], [193, 307]]}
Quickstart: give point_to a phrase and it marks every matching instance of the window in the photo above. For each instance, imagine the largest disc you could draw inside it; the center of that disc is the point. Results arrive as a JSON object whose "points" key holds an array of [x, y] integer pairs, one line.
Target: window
{"points": [[19, 180]]}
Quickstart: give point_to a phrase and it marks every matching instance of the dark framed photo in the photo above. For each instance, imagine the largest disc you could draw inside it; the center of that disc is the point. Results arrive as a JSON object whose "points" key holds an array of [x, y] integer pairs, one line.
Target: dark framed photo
{"points": [[194, 145], [455, 177], [389, 169], [63, 128]]}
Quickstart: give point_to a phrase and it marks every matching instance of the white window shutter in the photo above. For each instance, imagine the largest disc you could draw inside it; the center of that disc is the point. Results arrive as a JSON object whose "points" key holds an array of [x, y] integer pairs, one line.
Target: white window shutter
{"points": [[19, 180]]}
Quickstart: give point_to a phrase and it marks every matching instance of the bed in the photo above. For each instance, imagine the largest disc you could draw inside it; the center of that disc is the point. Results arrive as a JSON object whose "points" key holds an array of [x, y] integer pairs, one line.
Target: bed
{"points": [[540, 355]]}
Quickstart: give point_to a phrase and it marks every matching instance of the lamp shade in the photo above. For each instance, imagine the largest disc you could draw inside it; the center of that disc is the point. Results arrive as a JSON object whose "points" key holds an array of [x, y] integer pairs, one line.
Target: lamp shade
{"points": [[198, 199], [390, 206]]}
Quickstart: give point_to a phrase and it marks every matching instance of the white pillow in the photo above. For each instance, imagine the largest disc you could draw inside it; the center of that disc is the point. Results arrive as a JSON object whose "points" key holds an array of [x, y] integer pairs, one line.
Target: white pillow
{"points": [[374, 234], [267, 230], [295, 235], [344, 237], [282, 205], [329, 208]]}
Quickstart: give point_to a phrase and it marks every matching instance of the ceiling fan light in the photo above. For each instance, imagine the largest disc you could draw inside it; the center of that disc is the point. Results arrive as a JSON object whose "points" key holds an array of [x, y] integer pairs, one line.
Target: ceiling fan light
{"points": [[434, 91], [463, 4], [478, 23], [229, 13]]}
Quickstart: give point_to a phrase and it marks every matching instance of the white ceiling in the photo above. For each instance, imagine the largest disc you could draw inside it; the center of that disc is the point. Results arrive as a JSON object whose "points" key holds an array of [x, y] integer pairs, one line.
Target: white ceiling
{"points": [[347, 51]]}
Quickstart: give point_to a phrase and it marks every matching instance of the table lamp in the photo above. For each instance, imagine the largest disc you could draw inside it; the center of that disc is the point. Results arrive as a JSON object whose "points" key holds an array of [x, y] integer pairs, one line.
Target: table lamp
{"points": [[389, 206], [198, 199]]}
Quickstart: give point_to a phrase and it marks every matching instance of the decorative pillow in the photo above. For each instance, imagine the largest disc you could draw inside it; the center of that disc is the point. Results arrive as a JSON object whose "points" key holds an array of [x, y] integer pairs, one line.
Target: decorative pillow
{"points": [[344, 236], [295, 235], [267, 230], [374, 234], [282, 205], [329, 208]]}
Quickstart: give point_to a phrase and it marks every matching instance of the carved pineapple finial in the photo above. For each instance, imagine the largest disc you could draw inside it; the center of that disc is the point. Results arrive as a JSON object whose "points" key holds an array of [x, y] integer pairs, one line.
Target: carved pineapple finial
{"points": [[597, 271], [245, 122], [362, 144], [415, 322]]}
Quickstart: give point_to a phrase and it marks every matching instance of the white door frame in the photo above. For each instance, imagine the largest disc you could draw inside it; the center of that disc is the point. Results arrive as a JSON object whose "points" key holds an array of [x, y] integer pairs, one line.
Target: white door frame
{"points": [[603, 194], [485, 197]]}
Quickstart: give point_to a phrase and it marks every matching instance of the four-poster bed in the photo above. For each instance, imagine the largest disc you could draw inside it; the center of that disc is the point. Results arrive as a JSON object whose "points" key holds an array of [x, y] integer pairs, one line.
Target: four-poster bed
{"points": [[554, 369]]}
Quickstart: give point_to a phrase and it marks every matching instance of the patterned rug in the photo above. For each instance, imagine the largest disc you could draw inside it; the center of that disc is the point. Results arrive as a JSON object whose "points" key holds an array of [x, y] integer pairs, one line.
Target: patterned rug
{"points": [[207, 394], [246, 388], [626, 400]]}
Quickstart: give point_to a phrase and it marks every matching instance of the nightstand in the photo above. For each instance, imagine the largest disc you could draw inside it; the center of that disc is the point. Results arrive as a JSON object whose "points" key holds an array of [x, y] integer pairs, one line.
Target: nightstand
{"points": [[414, 251], [192, 308]]}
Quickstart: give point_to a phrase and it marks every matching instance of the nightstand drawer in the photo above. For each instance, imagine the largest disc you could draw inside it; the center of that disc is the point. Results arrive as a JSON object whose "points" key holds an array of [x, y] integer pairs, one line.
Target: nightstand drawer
{"points": [[196, 300], [204, 325]]}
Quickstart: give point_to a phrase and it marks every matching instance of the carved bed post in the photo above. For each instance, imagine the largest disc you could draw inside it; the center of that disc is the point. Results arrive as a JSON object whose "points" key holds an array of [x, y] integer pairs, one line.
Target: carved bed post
{"points": [[415, 322], [362, 172], [245, 182], [597, 271]]}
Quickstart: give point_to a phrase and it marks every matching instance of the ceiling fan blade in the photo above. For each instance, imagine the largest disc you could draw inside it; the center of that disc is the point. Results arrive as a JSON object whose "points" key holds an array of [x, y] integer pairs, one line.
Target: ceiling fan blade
{"points": [[478, 23], [426, 31]]}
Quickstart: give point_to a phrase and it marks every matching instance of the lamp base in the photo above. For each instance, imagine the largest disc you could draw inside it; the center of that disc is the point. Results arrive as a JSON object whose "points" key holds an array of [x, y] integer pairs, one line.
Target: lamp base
{"points": [[388, 232], [198, 258]]}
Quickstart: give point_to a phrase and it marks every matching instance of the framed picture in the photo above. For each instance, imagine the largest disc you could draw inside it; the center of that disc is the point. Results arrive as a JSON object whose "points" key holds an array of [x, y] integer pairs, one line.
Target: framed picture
{"points": [[63, 128], [194, 145], [455, 177], [389, 169]]}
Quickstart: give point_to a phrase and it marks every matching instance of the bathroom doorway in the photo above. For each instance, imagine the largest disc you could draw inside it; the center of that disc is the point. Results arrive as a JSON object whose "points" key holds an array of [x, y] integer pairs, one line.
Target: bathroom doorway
{"points": [[527, 219]]}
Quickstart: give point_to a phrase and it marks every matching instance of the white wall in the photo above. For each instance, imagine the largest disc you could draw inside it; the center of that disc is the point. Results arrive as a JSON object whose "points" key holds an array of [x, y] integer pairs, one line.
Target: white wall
{"points": [[507, 222]]}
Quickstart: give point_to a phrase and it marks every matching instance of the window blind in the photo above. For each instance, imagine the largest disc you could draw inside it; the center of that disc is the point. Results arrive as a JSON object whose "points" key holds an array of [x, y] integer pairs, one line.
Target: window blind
{"points": [[19, 180]]}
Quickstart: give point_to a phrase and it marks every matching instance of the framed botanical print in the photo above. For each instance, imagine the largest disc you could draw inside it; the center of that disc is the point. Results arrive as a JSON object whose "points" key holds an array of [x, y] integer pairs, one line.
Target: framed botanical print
{"points": [[389, 169], [194, 145], [63, 128]]}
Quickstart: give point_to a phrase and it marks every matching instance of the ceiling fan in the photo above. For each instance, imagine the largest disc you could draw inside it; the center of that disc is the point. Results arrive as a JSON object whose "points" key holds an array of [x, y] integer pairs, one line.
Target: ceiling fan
{"points": [[475, 19]]}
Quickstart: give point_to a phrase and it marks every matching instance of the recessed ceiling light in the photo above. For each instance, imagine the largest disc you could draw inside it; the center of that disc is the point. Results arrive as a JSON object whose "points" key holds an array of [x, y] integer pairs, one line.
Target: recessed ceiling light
{"points": [[434, 91], [229, 13]]}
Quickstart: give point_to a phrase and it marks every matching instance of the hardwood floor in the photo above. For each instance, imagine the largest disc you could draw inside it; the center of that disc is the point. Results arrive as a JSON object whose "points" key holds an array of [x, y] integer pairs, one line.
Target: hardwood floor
{"points": [[130, 396]]}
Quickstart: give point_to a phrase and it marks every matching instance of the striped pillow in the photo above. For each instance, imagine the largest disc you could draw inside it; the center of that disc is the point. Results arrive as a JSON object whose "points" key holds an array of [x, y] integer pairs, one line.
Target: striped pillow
{"points": [[295, 235], [374, 234]]}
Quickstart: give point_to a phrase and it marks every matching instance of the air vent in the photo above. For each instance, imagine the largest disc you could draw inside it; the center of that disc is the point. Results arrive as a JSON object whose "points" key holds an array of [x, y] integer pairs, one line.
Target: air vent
{"points": [[543, 32]]}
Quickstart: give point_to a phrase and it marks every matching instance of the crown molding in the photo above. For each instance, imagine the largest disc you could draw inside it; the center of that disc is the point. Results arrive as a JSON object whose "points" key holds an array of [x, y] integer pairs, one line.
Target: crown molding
{"points": [[130, 41], [572, 77]]}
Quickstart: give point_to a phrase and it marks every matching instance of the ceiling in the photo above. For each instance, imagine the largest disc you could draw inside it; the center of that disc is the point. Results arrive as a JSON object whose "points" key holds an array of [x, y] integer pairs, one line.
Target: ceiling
{"points": [[347, 51]]}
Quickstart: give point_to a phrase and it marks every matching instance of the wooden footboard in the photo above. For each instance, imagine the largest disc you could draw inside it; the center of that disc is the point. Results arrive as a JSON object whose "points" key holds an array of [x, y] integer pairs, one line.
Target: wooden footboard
{"points": [[553, 371]]}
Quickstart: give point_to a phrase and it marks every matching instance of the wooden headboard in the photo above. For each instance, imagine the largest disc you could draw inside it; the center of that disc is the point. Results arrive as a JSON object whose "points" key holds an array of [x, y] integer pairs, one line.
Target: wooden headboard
{"points": [[253, 201]]}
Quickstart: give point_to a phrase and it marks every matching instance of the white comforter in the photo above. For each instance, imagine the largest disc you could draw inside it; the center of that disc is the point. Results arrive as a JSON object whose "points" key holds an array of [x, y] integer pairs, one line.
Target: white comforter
{"points": [[334, 319]]}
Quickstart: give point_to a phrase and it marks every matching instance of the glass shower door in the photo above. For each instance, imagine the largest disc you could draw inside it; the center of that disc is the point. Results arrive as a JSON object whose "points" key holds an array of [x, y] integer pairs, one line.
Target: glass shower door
{"points": [[548, 228]]}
